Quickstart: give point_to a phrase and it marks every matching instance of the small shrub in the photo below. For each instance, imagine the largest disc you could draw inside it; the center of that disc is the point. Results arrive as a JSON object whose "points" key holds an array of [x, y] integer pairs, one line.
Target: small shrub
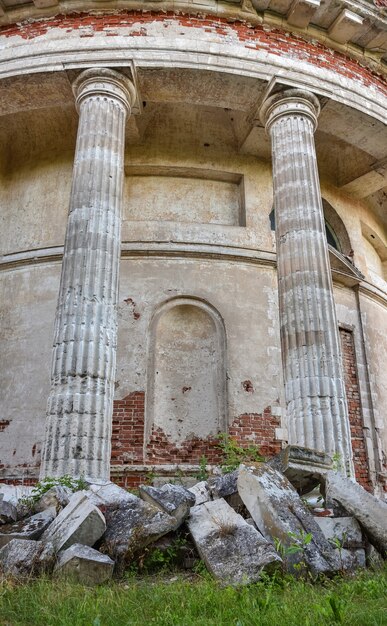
{"points": [[234, 454], [44, 485]]}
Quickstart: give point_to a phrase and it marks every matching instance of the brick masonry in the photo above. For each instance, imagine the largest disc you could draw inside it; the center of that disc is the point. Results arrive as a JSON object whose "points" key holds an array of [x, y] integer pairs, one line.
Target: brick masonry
{"points": [[128, 439], [248, 429], [253, 37], [354, 409]]}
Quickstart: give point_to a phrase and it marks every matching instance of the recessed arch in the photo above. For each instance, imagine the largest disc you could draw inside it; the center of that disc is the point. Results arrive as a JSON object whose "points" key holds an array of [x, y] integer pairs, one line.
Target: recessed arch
{"points": [[186, 378]]}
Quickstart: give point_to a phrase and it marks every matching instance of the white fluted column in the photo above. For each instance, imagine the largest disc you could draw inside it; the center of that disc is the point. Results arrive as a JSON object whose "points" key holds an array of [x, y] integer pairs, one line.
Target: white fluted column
{"points": [[78, 430], [314, 384]]}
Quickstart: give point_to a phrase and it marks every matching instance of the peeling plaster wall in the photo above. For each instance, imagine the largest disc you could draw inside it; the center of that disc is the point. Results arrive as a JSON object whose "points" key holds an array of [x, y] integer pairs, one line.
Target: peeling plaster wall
{"points": [[27, 307]]}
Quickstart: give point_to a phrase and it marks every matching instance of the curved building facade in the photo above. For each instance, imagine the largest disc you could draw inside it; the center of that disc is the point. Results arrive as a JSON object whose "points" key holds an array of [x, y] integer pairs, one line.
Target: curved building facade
{"points": [[193, 204]]}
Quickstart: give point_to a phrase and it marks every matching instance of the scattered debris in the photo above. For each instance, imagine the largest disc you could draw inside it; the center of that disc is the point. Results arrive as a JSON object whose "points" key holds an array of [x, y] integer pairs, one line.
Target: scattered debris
{"points": [[233, 550], [84, 565], [79, 522], [280, 515], [282, 532], [30, 528], [8, 512], [172, 499], [369, 511], [23, 558], [132, 526]]}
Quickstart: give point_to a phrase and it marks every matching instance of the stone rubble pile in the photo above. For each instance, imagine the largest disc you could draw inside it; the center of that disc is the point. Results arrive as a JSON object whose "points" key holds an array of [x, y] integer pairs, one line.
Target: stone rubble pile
{"points": [[249, 521]]}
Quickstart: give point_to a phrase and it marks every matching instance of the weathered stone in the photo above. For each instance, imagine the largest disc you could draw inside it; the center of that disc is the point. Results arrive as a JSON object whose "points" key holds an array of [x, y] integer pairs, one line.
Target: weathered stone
{"points": [[278, 510], [82, 378], [79, 522], [352, 559], [30, 528], [57, 497], [84, 564], [201, 492], [373, 558], [8, 512], [313, 374], [224, 485], [369, 511], [108, 495], [302, 466], [172, 499], [132, 526], [233, 551], [23, 558], [13, 493], [346, 530]]}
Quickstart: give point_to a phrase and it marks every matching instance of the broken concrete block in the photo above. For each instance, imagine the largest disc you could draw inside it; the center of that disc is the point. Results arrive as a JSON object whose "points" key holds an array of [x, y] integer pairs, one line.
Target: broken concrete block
{"points": [[352, 559], [84, 565], [8, 512], [13, 493], [369, 511], [108, 494], [79, 522], [233, 551], [23, 558], [223, 486], [30, 528], [57, 497], [172, 499], [279, 513], [345, 530], [303, 467], [201, 492], [132, 526]]}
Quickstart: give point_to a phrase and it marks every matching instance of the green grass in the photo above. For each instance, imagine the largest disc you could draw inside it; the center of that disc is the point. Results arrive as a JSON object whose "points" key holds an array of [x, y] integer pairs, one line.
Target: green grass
{"points": [[200, 602]]}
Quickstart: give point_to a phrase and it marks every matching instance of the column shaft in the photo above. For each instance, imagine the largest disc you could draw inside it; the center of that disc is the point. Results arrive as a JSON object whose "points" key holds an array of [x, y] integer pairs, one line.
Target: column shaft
{"points": [[79, 412], [314, 385]]}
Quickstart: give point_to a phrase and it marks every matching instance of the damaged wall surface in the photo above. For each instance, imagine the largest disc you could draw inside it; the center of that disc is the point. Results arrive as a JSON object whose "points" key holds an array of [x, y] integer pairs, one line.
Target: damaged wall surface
{"points": [[195, 339]]}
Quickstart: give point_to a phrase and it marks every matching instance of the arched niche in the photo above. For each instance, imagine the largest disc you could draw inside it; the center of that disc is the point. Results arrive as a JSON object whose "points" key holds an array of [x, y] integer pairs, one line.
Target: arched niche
{"points": [[186, 395]]}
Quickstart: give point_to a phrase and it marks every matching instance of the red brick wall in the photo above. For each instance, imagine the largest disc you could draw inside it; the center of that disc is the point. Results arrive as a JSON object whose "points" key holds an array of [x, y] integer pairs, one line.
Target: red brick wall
{"points": [[128, 439], [354, 408], [257, 37], [257, 429]]}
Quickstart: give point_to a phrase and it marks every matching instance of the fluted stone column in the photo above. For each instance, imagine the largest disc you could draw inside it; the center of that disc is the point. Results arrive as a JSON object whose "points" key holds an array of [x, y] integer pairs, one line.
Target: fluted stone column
{"points": [[78, 430], [314, 384]]}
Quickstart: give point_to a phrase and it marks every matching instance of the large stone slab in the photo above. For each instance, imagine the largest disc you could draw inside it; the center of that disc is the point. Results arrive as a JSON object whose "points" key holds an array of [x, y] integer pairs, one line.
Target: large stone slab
{"points": [[79, 522], [30, 528], [8, 512], [84, 565], [303, 467], [13, 493], [345, 530], [172, 499], [278, 510], [23, 558], [132, 526], [201, 492], [369, 511], [223, 486], [108, 494], [233, 550], [57, 497]]}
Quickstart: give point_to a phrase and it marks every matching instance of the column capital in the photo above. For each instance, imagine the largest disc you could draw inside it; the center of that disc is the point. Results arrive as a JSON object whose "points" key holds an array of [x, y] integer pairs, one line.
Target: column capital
{"points": [[102, 81], [290, 102]]}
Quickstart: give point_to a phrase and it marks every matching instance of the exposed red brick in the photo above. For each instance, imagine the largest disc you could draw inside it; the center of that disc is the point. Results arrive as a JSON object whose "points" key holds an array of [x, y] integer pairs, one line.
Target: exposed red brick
{"points": [[4, 424], [257, 37], [354, 409]]}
